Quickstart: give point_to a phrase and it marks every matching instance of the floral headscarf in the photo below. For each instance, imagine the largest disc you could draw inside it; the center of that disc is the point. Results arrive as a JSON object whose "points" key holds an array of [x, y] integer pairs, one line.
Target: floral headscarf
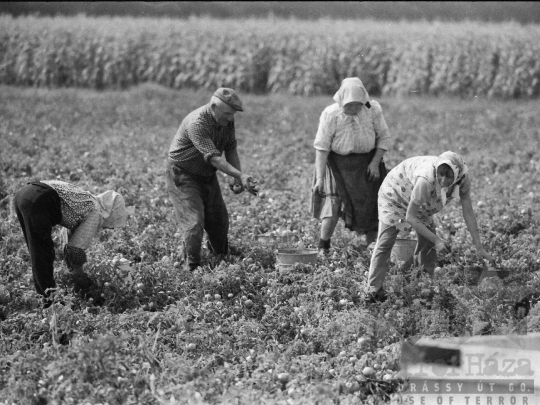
{"points": [[112, 209], [352, 89], [458, 166]]}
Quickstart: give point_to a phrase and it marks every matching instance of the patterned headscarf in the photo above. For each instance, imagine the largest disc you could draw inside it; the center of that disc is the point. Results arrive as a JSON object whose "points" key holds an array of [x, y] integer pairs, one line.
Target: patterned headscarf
{"points": [[113, 209], [352, 89], [458, 166]]}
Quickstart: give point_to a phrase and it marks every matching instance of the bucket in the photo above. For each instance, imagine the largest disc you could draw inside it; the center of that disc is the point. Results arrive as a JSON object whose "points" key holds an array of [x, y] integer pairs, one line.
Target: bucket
{"points": [[288, 257], [266, 239], [403, 251], [500, 273], [475, 275]]}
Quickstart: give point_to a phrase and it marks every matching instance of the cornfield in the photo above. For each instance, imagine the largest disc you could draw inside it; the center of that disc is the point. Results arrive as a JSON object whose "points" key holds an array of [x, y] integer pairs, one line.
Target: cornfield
{"points": [[259, 56]]}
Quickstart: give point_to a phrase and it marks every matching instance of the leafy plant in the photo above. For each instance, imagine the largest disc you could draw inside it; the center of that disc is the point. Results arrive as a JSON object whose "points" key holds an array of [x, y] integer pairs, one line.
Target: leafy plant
{"points": [[241, 329]]}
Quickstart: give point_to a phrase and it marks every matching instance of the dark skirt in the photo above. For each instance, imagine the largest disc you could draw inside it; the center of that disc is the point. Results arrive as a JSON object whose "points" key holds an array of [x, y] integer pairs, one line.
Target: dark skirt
{"points": [[346, 178]]}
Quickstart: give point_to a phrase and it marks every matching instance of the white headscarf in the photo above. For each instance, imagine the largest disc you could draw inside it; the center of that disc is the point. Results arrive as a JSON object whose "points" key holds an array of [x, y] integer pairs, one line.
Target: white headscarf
{"points": [[458, 166], [112, 209], [352, 89]]}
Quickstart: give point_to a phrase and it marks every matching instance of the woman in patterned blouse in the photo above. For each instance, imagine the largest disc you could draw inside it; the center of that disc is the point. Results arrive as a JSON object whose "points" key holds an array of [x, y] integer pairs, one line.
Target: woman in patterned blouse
{"points": [[411, 194], [351, 140], [44, 204]]}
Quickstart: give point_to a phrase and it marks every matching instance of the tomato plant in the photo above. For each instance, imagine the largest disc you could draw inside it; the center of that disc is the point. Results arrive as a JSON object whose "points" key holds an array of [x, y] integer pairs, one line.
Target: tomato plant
{"points": [[240, 328]]}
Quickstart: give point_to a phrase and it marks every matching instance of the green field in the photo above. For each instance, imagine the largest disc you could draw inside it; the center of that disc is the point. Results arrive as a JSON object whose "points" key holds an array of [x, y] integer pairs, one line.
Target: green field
{"points": [[135, 349]]}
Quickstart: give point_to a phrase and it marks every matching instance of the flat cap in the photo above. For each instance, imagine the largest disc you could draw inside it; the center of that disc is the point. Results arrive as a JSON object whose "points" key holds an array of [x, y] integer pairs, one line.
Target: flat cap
{"points": [[229, 97]]}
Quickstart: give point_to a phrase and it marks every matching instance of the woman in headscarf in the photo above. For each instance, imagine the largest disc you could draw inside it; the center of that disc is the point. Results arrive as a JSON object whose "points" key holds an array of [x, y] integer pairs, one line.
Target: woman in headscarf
{"points": [[41, 205], [351, 140], [411, 194]]}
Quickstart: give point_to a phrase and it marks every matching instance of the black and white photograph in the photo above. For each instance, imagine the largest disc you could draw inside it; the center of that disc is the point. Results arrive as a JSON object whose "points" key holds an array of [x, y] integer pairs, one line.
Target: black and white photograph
{"points": [[290, 203]]}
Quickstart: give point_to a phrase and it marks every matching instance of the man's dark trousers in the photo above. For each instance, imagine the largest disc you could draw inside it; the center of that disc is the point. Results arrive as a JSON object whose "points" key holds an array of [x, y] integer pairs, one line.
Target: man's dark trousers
{"points": [[199, 207]]}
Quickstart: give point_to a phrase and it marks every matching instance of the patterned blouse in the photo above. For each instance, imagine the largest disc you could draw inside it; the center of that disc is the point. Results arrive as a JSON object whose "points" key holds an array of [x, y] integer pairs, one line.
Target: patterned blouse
{"points": [[76, 203], [345, 134], [198, 139], [80, 214], [415, 179]]}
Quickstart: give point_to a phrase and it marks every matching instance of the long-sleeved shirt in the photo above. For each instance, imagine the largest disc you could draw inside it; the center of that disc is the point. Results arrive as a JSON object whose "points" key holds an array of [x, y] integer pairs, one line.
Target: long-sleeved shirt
{"points": [[345, 134], [198, 139]]}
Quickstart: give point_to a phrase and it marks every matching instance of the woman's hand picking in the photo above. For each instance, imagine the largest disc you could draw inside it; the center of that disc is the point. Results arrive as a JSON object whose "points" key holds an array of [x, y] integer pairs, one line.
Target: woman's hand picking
{"points": [[77, 269], [442, 247], [482, 254]]}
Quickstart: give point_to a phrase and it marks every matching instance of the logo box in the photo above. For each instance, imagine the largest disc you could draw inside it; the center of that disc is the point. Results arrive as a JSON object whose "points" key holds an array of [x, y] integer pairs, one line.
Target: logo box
{"points": [[487, 370]]}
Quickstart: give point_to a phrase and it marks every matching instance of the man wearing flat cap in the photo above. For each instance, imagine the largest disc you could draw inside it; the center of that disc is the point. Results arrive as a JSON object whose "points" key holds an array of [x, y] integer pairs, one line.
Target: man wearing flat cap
{"points": [[195, 154]]}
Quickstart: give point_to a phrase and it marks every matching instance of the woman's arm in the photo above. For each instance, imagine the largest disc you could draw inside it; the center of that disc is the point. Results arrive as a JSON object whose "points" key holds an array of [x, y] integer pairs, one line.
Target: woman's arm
{"points": [[472, 226], [373, 168], [382, 134], [80, 240], [321, 158], [421, 229], [323, 146], [382, 140], [420, 193]]}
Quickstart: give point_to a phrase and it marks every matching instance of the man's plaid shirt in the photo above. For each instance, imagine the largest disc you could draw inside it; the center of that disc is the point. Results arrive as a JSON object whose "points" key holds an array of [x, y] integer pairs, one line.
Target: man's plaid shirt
{"points": [[198, 139]]}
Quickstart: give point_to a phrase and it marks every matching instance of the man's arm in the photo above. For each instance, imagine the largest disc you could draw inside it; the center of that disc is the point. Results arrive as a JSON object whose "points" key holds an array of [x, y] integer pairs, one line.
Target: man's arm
{"points": [[230, 164], [232, 157]]}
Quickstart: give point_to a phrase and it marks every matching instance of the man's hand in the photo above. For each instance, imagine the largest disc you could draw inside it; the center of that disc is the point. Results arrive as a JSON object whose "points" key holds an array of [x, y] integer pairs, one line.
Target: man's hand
{"points": [[245, 179], [235, 185], [318, 187], [373, 171], [245, 182], [249, 183]]}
